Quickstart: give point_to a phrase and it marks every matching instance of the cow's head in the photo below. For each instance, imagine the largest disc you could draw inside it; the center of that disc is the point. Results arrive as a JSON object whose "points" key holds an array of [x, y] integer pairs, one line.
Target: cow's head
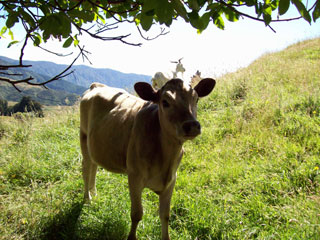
{"points": [[177, 105]]}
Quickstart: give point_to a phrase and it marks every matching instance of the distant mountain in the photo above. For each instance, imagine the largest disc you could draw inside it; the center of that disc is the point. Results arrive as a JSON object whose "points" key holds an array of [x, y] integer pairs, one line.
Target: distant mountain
{"points": [[60, 92], [84, 75], [70, 87]]}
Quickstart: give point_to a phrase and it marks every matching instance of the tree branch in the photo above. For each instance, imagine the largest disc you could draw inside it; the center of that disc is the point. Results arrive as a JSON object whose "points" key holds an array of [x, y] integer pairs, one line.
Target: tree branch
{"points": [[55, 53], [162, 33]]}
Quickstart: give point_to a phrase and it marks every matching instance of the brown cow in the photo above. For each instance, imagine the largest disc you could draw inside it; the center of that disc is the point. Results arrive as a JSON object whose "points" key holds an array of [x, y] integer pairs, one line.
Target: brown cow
{"points": [[141, 137]]}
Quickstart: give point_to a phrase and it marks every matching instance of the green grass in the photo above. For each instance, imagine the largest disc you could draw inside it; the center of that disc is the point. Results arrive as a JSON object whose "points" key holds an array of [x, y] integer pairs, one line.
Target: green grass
{"points": [[254, 173]]}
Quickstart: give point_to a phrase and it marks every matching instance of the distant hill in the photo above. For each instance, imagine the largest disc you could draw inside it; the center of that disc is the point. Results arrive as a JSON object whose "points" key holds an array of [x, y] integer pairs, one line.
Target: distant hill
{"points": [[68, 89], [60, 92], [84, 75]]}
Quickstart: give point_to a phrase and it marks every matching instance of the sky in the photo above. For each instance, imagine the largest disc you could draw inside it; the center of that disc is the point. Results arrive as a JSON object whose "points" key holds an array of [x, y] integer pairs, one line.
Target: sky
{"points": [[213, 52]]}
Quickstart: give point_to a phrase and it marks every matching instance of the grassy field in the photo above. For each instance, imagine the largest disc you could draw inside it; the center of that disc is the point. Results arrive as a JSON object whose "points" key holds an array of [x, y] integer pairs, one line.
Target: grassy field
{"points": [[252, 174]]}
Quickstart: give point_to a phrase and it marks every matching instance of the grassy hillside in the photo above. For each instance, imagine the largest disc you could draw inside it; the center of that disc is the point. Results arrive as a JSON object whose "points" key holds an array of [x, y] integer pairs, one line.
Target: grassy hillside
{"points": [[252, 174]]}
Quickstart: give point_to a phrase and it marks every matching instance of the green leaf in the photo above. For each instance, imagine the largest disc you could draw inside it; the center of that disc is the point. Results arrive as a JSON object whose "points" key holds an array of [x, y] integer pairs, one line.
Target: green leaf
{"points": [[316, 11], [180, 9], [12, 19], [146, 21], [195, 19], [75, 41], [194, 5], [231, 15], [267, 19], [164, 11], [3, 31], [57, 25], [12, 43], [283, 6], [250, 3], [267, 10], [205, 19], [218, 21], [65, 27], [45, 8], [149, 5], [11, 34], [302, 10], [274, 4], [68, 42], [36, 39]]}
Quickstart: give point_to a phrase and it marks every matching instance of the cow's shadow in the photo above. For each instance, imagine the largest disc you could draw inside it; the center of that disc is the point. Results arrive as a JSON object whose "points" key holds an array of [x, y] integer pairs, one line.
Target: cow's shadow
{"points": [[71, 225]]}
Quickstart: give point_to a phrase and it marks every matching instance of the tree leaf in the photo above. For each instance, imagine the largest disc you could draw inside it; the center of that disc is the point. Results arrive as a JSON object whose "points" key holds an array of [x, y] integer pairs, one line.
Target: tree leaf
{"points": [[194, 5], [75, 40], [283, 6], [180, 9], [3, 31], [12, 43], [266, 18], [12, 19], [302, 10], [68, 42], [11, 34], [164, 11], [146, 21], [231, 15], [316, 11], [267, 10], [195, 19], [36, 39], [218, 21]]}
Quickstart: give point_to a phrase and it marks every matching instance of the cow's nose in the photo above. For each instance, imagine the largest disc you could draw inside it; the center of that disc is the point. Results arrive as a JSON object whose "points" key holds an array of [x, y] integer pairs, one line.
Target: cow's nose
{"points": [[191, 128]]}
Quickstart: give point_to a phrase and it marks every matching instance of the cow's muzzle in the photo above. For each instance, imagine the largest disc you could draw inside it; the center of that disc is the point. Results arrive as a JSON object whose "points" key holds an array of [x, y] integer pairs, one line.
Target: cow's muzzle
{"points": [[191, 129]]}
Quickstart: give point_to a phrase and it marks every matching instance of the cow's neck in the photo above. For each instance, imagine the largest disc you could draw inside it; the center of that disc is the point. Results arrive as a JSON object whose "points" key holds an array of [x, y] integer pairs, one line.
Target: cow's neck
{"points": [[171, 147]]}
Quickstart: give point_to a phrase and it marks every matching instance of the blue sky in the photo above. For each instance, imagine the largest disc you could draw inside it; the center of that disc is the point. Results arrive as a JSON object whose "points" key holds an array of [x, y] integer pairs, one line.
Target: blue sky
{"points": [[213, 52]]}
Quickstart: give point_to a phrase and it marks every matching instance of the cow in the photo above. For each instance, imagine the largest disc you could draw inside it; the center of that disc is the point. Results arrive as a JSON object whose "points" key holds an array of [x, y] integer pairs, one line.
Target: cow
{"points": [[159, 79], [195, 79], [141, 137]]}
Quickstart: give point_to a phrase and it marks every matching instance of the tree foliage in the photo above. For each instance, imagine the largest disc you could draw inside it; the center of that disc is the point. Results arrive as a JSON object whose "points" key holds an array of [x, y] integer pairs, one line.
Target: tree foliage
{"points": [[26, 104], [66, 20]]}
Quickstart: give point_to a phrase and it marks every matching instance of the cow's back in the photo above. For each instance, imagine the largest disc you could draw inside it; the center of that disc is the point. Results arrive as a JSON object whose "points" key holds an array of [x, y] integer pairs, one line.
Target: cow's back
{"points": [[107, 116]]}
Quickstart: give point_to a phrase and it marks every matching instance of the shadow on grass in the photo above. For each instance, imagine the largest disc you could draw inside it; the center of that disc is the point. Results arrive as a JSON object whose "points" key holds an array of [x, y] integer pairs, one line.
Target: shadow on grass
{"points": [[71, 224]]}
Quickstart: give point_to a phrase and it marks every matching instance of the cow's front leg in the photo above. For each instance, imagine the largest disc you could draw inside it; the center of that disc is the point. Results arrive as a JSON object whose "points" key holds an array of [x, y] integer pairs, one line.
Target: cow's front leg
{"points": [[164, 210], [135, 188]]}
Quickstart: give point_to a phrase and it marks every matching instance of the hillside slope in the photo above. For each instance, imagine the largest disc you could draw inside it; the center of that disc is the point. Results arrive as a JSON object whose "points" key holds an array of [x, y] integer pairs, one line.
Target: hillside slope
{"points": [[257, 160], [253, 173]]}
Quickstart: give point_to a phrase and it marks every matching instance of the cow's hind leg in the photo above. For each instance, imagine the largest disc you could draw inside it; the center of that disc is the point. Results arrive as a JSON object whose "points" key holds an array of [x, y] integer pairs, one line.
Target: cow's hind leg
{"points": [[92, 179], [89, 169]]}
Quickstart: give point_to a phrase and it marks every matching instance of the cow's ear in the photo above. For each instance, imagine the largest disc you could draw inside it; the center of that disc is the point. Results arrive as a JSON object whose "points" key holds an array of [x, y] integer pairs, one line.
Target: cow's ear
{"points": [[205, 86], [146, 92]]}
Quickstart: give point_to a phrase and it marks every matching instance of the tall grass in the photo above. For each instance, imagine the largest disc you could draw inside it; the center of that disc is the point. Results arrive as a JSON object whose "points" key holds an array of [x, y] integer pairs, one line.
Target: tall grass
{"points": [[254, 173]]}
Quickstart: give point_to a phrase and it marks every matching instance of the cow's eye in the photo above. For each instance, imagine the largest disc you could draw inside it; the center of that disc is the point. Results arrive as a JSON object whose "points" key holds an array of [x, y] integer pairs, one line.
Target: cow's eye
{"points": [[165, 104]]}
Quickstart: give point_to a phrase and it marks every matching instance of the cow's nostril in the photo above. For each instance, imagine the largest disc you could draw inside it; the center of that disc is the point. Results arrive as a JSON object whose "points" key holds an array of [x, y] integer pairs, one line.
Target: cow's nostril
{"points": [[191, 127], [197, 125], [186, 127]]}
